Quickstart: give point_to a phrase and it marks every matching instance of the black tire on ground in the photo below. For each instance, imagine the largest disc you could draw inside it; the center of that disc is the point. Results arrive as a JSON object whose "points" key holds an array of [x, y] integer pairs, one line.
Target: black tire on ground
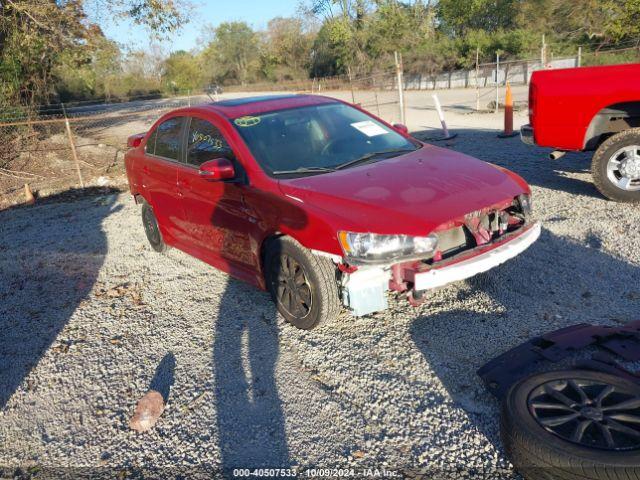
{"points": [[303, 286], [544, 453], [151, 228], [601, 159]]}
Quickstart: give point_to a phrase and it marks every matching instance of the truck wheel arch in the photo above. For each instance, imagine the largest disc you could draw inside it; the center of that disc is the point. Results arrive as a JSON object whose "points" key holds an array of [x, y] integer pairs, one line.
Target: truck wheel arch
{"points": [[611, 120]]}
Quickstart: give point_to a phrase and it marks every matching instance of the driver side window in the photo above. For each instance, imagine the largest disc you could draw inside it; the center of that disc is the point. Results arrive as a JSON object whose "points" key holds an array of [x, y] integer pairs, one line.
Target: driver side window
{"points": [[205, 142]]}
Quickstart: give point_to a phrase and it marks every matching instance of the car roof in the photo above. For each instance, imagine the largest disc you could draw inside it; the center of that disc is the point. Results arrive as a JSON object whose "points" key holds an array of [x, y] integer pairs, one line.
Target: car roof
{"points": [[241, 107]]}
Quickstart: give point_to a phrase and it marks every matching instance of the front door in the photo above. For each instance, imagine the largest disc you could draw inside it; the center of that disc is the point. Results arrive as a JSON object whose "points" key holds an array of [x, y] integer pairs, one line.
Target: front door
{"points": [[215, 211]]}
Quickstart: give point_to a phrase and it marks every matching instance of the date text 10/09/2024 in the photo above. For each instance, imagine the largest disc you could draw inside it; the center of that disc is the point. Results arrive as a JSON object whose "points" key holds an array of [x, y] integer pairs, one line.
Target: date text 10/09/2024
{"points": [[316, 473]]}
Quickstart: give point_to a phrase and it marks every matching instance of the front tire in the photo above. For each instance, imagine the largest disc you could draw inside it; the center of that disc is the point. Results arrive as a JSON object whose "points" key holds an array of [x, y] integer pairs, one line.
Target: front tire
{"points": [[570, 425], [616, 167], [302, 285]]}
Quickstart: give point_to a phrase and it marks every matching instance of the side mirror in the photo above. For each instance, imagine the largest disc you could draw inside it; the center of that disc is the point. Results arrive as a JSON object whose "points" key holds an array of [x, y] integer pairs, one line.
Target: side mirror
{"points": [[217, 169], [135, 140], [401, 127]]}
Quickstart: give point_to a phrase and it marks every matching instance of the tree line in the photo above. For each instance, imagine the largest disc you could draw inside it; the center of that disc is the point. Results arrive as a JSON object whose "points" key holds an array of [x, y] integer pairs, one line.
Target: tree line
{"points": [[50, 51]]}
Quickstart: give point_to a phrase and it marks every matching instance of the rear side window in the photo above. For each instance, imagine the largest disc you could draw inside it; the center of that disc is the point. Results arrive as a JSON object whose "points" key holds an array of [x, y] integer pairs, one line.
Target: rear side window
{"points": [[165, 140], [205, 142]]}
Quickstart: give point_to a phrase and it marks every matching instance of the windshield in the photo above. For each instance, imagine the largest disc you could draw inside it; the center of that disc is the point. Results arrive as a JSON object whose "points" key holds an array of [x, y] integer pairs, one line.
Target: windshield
{"points": [[317, 139]]}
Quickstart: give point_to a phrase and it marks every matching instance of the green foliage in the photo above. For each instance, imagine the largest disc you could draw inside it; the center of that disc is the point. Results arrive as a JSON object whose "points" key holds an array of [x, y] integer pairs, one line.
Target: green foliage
{"points": [[90, 70], [285, 50], [33, 36], [233, 53], [48, 45], [395, 26], [624, 23], [457, 17], [329, 50], [182, 72]]}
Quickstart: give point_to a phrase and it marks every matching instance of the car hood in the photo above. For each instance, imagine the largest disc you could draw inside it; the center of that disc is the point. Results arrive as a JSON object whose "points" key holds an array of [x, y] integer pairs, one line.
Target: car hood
{"points": [[410, 194]]}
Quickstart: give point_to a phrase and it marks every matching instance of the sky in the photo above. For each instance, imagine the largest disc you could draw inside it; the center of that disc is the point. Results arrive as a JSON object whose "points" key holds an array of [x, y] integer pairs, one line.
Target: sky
{"points": [[256, 13]]}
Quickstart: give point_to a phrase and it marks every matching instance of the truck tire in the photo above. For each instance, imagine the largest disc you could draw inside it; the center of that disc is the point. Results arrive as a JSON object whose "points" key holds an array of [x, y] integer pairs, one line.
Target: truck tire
{"points": [[302, 285], [616, 167], [561, 435], [151, 228]]}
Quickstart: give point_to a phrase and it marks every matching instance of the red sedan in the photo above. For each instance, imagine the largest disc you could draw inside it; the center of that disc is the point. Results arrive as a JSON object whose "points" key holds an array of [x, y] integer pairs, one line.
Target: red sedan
{"points": [[322, 203]]}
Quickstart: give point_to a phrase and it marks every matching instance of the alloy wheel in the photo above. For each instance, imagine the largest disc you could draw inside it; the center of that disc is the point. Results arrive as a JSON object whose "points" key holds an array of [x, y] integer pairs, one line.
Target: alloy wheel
{"points": [[623, 168], [589, 413], [293, 289]]}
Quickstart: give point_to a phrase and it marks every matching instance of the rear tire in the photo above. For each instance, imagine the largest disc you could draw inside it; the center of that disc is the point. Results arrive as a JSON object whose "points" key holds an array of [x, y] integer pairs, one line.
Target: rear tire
{"points": [[610, 182], [543, 445], [151, 228], [302, 285]]}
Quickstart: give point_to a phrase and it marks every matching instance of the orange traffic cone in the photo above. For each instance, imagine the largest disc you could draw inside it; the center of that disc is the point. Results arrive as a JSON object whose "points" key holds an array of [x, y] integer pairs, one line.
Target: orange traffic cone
{"points": [[28, 195], [508, 115]]}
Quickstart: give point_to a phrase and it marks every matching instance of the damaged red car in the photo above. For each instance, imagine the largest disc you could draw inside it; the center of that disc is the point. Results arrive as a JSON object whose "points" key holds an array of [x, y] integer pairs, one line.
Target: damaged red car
{"points": [[323, 204]]}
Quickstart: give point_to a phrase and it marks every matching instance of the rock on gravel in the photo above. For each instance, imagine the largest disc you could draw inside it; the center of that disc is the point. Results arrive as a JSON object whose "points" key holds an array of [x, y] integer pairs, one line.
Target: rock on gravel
{"points": [[88, 311], [148, 411]]}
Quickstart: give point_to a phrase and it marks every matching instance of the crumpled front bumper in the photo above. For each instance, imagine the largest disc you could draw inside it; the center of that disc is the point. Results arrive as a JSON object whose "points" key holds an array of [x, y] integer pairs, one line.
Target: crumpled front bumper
{"points": [[364, 290], [438, 277]]}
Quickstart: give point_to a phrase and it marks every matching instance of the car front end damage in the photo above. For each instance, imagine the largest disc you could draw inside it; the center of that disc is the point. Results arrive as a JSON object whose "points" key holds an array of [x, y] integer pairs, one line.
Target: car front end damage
{"points": [[457, 250]]}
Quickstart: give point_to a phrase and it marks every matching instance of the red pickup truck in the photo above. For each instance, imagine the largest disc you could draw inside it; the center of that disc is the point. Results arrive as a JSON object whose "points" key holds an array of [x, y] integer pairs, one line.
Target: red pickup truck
{"points": [[592, 108]]}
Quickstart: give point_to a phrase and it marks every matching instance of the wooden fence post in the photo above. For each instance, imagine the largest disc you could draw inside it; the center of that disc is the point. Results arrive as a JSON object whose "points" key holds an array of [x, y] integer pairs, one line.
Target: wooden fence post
{"points": [[579, 60], [477, 79], [398, 60], [353, 96], [73, 146], [497, 82]]}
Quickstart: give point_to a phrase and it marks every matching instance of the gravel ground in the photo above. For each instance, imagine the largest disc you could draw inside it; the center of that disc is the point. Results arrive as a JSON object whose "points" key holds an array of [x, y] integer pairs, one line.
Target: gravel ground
{"points": [[91, 317]]}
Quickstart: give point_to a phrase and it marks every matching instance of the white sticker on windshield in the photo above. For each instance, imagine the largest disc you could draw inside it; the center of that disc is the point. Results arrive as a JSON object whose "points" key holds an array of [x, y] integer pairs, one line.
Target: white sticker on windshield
{"points": [[369, 128]]}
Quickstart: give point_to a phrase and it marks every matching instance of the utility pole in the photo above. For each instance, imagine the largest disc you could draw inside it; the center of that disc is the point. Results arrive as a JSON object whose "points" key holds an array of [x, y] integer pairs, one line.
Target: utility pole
{"points": [[543, 52]]}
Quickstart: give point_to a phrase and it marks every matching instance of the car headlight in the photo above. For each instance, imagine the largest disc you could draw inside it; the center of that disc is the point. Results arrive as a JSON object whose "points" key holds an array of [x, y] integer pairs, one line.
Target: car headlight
{"points": [[525, 204], [372, 248]]}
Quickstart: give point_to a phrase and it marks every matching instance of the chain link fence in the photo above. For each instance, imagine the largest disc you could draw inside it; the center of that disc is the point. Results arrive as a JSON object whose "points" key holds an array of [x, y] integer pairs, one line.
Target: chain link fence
{"points": [[80, 148]]}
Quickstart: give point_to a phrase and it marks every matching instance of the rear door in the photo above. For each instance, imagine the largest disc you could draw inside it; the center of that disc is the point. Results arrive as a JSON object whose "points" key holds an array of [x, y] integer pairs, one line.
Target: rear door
{"points": [[163, 152], [217, 218]]}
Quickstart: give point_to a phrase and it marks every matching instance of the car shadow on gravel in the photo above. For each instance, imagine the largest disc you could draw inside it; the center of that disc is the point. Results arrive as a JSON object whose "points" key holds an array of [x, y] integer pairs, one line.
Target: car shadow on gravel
{"points": [[50, 257], [530, 162], [515, 302]]}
